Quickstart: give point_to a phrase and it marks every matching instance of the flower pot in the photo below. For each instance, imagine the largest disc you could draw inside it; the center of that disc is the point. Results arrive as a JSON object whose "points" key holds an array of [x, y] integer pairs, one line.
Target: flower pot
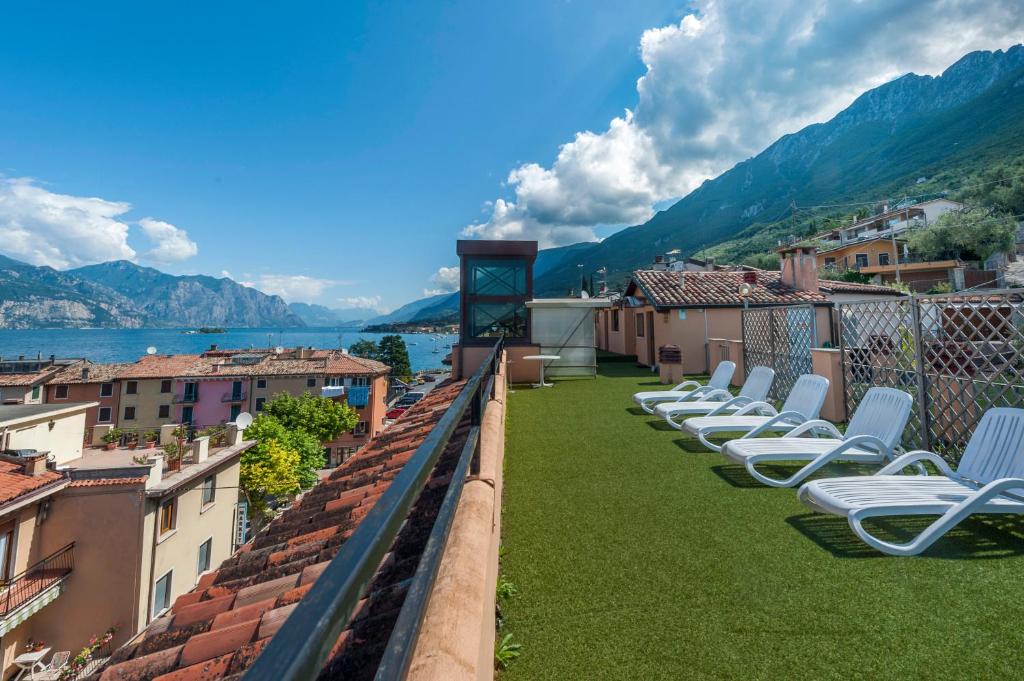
{"points": [[110, 446], [133, 445], [174, 464], [150, 444]]}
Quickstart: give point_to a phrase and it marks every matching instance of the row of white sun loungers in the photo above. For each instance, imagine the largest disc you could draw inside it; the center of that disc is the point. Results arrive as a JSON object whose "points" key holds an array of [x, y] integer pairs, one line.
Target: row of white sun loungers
{"points": [[989, 478]]}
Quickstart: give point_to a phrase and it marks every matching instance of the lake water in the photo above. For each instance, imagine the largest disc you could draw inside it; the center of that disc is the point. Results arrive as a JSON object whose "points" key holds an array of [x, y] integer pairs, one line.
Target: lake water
{"points": [[127, 345]]}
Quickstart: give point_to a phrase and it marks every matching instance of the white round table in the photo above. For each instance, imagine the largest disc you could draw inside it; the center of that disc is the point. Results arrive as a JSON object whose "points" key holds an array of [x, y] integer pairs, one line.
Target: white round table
{"points": [[542, 359]]}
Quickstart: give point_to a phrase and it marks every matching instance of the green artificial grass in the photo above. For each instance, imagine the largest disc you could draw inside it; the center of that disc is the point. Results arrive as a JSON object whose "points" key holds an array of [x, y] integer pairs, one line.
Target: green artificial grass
{"points": [[637, 554]]}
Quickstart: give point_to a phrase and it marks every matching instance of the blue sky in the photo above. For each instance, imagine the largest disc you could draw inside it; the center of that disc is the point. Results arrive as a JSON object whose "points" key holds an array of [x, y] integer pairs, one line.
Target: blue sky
{"points": [[333, 152]]}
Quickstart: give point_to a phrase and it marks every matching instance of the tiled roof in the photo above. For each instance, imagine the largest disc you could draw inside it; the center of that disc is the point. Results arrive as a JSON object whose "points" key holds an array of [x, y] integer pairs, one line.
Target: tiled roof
{"points": [[25, 379], [159, 366], [108, 482], [340, 363], [700, 289], [829, 286], [98, 373], [219, 628], [14, 483]]}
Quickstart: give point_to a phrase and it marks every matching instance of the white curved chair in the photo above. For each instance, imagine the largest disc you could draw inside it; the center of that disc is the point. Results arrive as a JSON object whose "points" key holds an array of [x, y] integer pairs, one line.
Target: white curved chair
{"points": [[687, 389], [873, 436], [989, 479], [802, 404], [755, 389]]}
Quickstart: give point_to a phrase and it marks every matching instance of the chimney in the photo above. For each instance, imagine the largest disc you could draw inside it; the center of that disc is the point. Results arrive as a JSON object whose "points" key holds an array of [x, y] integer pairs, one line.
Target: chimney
{"points": [[682, 279], [213, 347], [35, 465], [85, 374], [800, 268]]}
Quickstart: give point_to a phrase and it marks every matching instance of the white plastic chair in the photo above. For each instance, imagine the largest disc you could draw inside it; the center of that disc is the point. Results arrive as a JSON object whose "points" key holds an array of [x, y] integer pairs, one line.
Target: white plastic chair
{"points": [[803, 404], [989, 479], [755, 389], [51, 672], [872, 436], [687, 389]]}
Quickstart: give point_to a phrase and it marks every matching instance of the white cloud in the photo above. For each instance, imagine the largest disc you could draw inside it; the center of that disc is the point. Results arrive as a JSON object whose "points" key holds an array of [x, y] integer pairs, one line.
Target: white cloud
{"points": [[445, 280], [59, 230], [45, 228], [171, 243], [361, 302], [722, 84], [292, 287], [226, 274]]}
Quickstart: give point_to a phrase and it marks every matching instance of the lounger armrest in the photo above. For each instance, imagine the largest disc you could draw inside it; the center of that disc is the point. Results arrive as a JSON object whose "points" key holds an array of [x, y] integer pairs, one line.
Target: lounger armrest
{"points": [[819, 462], [686, 384], [901, 462], [793, 418], [995, 488], [740, 400], [696, 394], [758, 406], [716, 394], [815, 424]]}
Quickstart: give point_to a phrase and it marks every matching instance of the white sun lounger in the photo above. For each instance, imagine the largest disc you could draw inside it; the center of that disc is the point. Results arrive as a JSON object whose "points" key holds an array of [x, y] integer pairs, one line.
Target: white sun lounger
{"points": [[873, 435], [803, 404], [989, 479], [755, 389], [687, 389]]}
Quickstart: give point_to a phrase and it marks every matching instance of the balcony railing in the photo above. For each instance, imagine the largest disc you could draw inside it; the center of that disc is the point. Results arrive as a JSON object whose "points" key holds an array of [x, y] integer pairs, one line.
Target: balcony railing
{"points": [[187, 398], [37, 579], [301, 647], [233, 396]]}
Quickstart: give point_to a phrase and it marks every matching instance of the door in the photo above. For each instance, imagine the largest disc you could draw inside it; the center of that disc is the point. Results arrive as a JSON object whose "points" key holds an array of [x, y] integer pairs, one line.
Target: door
{"points": [[652, 359], [236, 409], [186, 414]]}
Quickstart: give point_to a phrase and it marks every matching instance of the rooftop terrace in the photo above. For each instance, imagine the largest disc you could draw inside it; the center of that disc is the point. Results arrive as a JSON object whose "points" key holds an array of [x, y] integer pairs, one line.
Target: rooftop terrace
{"points": [[639, 554]]}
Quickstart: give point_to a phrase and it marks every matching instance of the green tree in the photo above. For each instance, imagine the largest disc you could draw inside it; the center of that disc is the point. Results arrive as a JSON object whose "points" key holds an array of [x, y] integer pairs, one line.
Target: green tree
{"points": [[392, 351], [764, 261], [269, 469], [366, 349], [966, 235]]}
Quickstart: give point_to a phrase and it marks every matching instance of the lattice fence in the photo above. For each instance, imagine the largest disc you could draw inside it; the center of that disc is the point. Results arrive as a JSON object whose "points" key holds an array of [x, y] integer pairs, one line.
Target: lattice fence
{"points": [[958, 354], [781, 338]]}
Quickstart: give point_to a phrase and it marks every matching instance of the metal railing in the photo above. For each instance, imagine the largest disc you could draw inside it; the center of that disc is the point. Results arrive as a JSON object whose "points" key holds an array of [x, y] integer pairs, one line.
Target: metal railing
{"points": [[233, 396], [37, 578], [187, 398], [301, 647], [780, 337]]}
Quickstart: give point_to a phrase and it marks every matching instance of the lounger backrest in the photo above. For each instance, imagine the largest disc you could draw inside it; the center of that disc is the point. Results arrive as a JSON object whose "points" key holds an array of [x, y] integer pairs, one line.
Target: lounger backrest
{"points": [[996, 449], [883, 413], [722, 375], [807, 395], [758, 383]]}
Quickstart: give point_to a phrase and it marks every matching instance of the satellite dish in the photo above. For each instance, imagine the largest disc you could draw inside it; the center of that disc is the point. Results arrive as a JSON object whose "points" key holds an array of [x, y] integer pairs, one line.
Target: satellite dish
{"points": [[278, 349], [584, 294], [746, 289], [151, 350], [243, 420]]}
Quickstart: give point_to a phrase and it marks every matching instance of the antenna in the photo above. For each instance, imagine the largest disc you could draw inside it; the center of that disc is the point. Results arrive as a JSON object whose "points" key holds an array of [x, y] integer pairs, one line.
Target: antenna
{"points": [[243, 420], [151, 350]]}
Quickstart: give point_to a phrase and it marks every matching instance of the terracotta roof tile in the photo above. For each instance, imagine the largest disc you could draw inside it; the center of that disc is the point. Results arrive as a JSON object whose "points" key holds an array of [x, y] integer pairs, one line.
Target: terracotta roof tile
{"points": [[829, 286], [705, 289], [234, 610], [98, 373], [159, 366], [14, 483], [108, 482], [25, 379]]}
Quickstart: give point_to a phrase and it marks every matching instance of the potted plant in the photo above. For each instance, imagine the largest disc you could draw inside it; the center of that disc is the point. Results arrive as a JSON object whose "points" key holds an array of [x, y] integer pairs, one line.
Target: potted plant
{"points": [[132, 440], [112, 437], [151, 437]]}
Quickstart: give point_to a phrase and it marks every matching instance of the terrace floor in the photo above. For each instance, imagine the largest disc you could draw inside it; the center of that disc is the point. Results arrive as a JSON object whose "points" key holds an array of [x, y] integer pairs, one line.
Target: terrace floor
{"points": [[638, 554]]}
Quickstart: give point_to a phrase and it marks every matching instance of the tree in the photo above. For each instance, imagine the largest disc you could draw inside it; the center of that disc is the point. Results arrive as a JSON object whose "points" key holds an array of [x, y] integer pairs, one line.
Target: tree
{"points": [[321, 417], [268, 469], [392, 351], [964, 235], [366, 349], [763, 261]]}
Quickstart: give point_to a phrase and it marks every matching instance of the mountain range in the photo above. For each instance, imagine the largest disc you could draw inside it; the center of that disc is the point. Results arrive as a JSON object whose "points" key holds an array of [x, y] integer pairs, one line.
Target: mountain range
{"points": [[123, 294]]}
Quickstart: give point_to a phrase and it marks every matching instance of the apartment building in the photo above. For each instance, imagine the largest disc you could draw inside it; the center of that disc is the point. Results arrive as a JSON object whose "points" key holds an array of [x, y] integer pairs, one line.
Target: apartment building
{"points": [[363, 385], [92, 538], [87, 381], [891, 222], [214, 390], [146, 397], [22, 380]]}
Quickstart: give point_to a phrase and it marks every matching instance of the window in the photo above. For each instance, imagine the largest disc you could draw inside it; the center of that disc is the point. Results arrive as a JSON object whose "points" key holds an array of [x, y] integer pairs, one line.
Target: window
{"points": [[236, 390], [209, 489], [165, 385], [260, 401], [360, 381], [311, 382], [129, 413], [162, 594], [861, 259], [497, 277], [493, 319], [639, 325], [186, 414], [104, 415], [191, 392], [361, 428], [6, 548], [164, 411], [60, 392], [883, 258], [35, 393], [261, 383], [167, 513], [615, 320], [236, 409], [132, 388], [204, 557], [830, 262], [106, 389]]}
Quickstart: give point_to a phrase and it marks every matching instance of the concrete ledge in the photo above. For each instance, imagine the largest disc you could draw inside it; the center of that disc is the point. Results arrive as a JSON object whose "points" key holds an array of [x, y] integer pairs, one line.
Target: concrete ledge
{"points": [[457, 639]]}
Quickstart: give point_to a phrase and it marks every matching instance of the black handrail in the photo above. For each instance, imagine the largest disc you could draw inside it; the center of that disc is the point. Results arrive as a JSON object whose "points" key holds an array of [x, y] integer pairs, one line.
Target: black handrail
{"points": [[301, 647], [22, 588]]}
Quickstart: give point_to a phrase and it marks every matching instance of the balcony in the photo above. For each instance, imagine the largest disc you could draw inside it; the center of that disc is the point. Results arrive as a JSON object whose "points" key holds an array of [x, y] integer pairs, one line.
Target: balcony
{"points": [[332, 391], [34, 588], [187, 398], [233, 396]]}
